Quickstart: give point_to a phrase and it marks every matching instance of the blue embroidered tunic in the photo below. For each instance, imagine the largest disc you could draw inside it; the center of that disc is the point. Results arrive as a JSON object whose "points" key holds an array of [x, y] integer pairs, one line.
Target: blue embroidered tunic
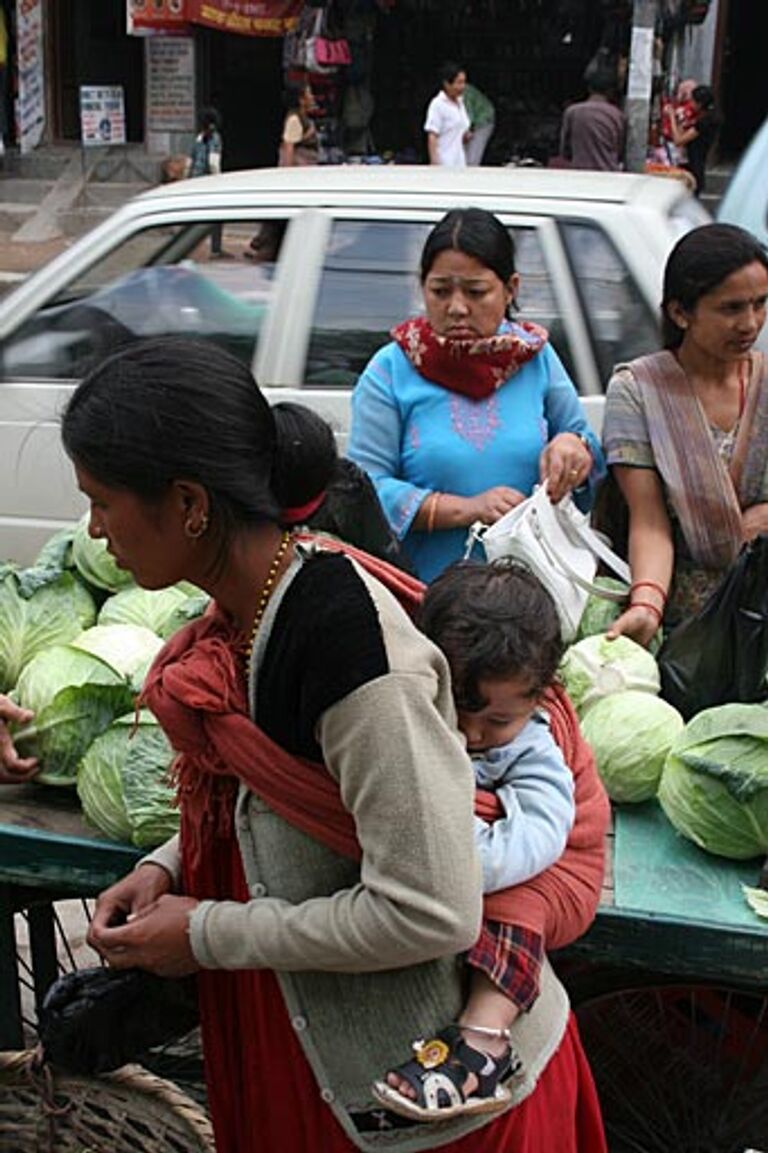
{"points": [[414, 437]]}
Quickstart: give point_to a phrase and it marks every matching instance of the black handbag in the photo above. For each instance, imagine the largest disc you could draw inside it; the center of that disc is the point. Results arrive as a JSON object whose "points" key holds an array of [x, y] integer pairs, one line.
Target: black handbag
{"points": [[720, 654], [95, 1020]]}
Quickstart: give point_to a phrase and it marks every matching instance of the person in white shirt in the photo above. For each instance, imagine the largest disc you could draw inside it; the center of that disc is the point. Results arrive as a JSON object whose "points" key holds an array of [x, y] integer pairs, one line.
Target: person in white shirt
{"points": [[447, 122]]}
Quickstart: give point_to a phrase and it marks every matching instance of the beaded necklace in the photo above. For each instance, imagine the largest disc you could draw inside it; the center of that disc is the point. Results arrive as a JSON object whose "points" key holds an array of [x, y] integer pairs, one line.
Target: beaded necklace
{"points": [[264, 596]]}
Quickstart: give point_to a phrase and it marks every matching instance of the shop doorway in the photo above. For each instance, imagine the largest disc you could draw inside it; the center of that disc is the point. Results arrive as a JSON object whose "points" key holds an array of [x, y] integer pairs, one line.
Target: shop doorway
{"points": [[743, 95], [91, 47], [241, 76], [528, 58]]}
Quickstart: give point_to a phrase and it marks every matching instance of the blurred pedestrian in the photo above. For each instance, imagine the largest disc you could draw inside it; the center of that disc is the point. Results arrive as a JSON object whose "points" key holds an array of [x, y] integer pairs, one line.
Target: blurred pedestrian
{"points": [[205, 160], [299, 145], [698, 138], [447, 122], [594, 130], [482, 121]]}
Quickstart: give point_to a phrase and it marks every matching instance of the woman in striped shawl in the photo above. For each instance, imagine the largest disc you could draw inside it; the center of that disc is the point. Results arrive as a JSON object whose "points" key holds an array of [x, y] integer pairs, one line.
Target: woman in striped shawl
{"points": [[686, 429]]}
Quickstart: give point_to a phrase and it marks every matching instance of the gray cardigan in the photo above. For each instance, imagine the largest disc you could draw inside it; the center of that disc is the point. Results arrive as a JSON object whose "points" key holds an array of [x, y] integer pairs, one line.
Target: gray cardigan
{"points": [[366, 952]]}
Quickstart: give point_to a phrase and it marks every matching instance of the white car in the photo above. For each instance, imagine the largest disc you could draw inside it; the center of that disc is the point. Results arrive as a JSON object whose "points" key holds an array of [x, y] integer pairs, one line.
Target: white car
{"points": [[590, 249]]}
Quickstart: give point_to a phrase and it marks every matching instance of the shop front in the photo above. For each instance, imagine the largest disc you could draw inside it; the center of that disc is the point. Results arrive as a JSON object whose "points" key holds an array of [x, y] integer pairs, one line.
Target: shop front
{"points": [[172, 57]]}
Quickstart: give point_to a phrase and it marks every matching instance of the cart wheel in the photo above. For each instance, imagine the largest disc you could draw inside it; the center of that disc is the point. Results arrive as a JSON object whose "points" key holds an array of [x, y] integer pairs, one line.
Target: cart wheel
{"points": [[680, 1067]]}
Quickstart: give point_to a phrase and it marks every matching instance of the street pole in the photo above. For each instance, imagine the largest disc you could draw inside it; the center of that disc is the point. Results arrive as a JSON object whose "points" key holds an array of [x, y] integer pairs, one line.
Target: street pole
{"points": [[639, 80]]}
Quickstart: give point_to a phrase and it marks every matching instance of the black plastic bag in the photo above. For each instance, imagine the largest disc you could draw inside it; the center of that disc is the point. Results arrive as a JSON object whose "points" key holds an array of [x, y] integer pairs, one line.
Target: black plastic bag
{"points": [[95, 1020], [720, 655]]}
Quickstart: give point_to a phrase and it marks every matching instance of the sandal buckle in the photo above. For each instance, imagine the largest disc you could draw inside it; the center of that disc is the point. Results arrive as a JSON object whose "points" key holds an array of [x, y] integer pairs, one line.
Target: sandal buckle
{"points": [[431, 1053]]}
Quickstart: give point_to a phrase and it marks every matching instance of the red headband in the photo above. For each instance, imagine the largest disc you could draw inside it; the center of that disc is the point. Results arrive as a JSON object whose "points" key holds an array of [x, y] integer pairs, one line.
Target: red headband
{"points": [[302, 513]]}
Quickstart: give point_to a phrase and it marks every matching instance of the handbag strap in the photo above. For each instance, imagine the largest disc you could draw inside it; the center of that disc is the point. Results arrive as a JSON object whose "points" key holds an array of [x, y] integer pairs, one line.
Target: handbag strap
{"points": [[610, 559], [585, 535], [567, 569]]}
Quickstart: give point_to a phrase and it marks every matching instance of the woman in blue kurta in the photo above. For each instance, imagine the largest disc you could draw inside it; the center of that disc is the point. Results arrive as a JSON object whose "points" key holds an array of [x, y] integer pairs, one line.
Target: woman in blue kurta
{"points": [[465, 411]]}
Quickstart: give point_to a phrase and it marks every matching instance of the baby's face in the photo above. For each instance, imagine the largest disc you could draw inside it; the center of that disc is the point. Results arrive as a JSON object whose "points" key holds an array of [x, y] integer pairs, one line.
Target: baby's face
{"points": [[509, 704]]}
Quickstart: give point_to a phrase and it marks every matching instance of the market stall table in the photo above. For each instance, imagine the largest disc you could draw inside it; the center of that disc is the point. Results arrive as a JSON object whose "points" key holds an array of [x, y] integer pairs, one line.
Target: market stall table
{"points": [[47, 854], [667, 908]]}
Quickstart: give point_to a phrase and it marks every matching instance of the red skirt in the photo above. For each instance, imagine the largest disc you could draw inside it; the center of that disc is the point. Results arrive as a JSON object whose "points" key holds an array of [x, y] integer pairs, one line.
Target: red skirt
{"points": [[264, 1099]]}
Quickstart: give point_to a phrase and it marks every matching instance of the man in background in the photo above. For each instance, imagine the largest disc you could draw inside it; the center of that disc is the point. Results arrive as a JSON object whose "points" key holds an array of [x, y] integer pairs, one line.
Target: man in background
{"points": [[482, 121], [594, 130]]}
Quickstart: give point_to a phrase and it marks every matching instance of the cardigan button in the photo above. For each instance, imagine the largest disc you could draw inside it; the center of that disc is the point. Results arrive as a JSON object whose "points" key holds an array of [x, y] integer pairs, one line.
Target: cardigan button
{"points": [[258, 890], [327, 1095], [300, 1023]]}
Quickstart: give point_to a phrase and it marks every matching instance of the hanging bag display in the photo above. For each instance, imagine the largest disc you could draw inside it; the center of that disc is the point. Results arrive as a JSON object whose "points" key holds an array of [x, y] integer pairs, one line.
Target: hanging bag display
{"points": [[720, 655], [557, 544], [323, 53]]}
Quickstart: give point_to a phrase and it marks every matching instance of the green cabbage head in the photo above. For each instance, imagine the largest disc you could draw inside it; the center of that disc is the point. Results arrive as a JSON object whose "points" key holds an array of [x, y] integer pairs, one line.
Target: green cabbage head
{"points": [[595, 667], [631, 733], [95, 565], [38, 609], [75, 696], [129, 649], [714, 787], [164, 611], [600, 613], [123, 782]]}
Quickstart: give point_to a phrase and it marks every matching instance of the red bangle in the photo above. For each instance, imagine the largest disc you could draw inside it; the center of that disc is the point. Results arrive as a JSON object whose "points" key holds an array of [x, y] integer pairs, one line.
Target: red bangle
{"points": [[651, 585], [647, 605]]}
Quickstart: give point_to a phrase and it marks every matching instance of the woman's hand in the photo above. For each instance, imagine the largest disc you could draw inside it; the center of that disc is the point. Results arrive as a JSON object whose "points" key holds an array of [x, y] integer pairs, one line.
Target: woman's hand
{"points": [[490, 506], [638, 623], [565, 464], [754, 521], [155, 938], [13, 768], [140, 890]]}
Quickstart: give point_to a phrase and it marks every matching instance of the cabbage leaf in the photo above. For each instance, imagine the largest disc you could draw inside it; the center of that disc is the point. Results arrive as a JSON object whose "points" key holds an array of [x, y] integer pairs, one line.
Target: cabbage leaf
{"points": [[714, 787], [124, 782], [631, 733], [129, 649], [75, 696], [38, 608], [95, 564], [164, 611], [596, 667]]}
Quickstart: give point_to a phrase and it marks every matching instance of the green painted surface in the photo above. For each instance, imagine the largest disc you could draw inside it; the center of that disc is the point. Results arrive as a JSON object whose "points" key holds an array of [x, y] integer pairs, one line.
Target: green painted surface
{"points": [[661, 873]]}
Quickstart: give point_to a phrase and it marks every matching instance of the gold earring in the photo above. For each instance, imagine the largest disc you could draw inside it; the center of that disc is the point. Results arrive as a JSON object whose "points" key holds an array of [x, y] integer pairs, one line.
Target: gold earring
{"points": [[194, 532]]}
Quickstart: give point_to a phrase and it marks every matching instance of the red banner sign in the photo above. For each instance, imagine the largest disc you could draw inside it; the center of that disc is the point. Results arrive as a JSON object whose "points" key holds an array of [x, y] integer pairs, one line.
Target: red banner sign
{"points": [[157, 16], [246, 17]]}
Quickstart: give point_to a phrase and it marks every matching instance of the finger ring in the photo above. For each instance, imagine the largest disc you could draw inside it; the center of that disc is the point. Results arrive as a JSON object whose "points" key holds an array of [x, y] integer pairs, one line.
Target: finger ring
{"points": [[574, 472]]}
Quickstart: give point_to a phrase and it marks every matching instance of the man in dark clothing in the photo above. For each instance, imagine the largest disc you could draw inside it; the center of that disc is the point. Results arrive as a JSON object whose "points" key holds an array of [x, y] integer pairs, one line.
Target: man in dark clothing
{"points": [[593, 130]]}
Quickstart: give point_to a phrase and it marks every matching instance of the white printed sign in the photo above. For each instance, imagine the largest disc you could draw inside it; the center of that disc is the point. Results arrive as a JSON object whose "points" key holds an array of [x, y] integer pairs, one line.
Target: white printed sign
{"points": [[170, 84], [30, 98], [102, 115]]}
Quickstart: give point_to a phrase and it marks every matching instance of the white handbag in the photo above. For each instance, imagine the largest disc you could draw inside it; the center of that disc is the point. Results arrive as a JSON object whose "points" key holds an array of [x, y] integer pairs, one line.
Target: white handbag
{"points": [[556, 543]]}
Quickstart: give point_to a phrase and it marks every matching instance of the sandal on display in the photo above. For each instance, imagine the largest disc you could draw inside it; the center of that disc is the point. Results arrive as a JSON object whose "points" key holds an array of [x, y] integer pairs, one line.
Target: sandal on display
{"points": [[438, 1074]]}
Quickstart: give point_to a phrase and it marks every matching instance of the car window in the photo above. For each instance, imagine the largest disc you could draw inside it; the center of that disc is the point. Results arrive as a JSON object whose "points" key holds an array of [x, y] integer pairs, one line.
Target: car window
{"points": [[202, 279], [536, 300], [370, 282], [621, 323]]}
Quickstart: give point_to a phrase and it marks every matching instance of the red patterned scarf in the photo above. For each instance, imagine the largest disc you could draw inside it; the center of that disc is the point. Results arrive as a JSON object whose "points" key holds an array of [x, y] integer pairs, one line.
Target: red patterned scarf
{"points": [[474, 368]]}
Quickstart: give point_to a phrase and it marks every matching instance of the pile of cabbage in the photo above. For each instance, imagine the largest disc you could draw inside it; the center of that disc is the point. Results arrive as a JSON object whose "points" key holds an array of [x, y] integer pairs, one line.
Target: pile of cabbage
{"points": [[614, 687], [710, 775], [77, 637]]}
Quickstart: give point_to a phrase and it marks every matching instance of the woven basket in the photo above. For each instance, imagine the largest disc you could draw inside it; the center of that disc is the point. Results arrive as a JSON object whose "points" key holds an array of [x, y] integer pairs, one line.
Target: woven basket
{"points": [[129, 1111]]}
